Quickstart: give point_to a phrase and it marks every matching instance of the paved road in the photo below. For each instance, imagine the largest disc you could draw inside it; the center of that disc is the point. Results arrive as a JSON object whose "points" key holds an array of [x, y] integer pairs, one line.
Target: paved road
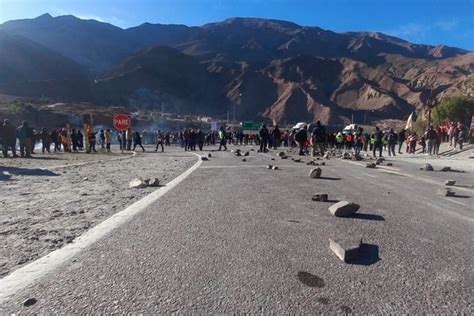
{"points": [[237, 237]]}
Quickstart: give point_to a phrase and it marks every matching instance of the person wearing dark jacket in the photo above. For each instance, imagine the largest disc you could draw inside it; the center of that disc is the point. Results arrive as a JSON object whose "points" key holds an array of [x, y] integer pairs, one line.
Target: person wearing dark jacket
{"points": [[318, 139], [45, 141], [74, 139], [378, 135], [200, 138], [137, 141], [391, 142], [8, 138], [276, 134], [401, 139], [264, 134], [301, 137]]}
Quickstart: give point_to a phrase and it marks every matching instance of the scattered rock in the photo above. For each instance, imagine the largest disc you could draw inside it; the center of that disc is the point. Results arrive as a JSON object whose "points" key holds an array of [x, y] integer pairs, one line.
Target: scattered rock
{"points": [[297, 160], [204, 158], [326, 156], [377, 163], [284, 157], [244, 160], [450, 182], [323, 163], [281, 154], [345, 249], [153, 182], [320, 197], [209, 155], [137, 184], [30, 302], [357, 158], [446, 169], [85, 179], [370, 165], [275, 168], [269, 167], [429, 167], [389, 164], [315, 173], [344, 209], [247, 153], [446, 192], [312, 163], [238, 154], [272, 158]]}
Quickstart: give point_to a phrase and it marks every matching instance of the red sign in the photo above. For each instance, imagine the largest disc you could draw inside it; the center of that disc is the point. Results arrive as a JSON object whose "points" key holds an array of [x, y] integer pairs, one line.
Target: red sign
{"points": [[122, 121]]}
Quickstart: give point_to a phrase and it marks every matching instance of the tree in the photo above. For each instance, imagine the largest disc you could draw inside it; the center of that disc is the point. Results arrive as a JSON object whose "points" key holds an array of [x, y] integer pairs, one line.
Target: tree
{"points": [[455, 109]]}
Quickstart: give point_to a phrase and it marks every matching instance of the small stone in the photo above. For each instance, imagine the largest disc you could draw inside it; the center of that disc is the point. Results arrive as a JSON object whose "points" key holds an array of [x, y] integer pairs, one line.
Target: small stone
{"points": [[154, 182], [137, 184], [389, 164], [204, 158], [450, 182], [85, 179], [377, 163], [446, 192], [429, 167], [326, 156], [281, 154], [246, 153], [238, 154], [312, 163], [446, 169], [269, 166], [345, 249], [323, 163], [244, 160], [297, 160], [284, 157], [209, 155], [315, 173], [30, 302], [320, 197], [275, 168], [370, 165], [272, 158], [344, 209]]}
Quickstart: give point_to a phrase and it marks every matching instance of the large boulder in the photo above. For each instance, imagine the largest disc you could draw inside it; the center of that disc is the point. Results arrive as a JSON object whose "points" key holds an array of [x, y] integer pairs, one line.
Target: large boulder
{"points": [[137, 184], [344, 209], [315, 173]]}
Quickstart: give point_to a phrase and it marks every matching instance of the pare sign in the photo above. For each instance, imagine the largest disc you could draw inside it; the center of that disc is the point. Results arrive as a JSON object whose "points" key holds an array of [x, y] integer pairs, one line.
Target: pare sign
{"points": [[122, 121]]}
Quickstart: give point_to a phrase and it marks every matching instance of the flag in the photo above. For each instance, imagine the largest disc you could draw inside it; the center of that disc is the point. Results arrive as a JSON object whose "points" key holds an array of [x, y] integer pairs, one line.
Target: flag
{"points": [[409, 125]]}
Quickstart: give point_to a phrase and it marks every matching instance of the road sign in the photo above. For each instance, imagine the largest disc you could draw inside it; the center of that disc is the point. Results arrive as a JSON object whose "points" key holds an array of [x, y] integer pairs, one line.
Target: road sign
{"points": [[122, 121], [251, 127]]}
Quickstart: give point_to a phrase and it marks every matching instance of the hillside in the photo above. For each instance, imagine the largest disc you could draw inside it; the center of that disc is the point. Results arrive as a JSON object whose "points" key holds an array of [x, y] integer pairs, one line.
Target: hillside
{"points": [[263, 68]]}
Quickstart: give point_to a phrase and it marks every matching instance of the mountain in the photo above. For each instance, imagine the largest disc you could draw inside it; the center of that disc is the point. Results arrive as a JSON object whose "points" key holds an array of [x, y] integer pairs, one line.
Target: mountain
{"points": [[261, 68], [29, 69]]}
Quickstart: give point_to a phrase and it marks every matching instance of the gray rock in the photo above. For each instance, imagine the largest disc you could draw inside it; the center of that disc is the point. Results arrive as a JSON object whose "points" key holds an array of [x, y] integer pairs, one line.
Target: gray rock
{"points": [[326, 156], [30, 302], [281, 154], [446, 192], [284, 157], [429, 167], [269, 166], [297, 160], [247, 153], [137, 184], [244, 160], [323, 163], [85, 179], [209, 155], [154, 182], [238, 154], [204, 158], [320, 197], [275, 168], [344, 209], [312, 163], [345, 249], [315, 173], [450, 182], [389, 164], [446, 169], [370, 165]]}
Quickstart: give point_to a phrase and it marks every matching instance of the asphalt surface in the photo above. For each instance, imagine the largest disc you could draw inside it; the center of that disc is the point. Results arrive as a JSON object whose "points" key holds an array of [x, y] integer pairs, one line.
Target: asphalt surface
{"points": [[236, 237]]}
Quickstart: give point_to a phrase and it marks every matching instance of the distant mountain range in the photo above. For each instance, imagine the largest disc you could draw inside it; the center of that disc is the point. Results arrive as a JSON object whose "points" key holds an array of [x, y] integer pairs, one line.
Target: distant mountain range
{"points": [[263, 68]]}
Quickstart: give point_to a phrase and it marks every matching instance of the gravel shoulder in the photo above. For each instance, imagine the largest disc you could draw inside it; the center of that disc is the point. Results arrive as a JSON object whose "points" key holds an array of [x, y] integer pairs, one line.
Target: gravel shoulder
{"points": [[48, 201]]}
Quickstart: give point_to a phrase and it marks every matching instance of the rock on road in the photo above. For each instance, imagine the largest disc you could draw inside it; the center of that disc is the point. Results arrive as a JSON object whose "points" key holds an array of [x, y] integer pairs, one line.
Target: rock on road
{"points": [[237, 237]]}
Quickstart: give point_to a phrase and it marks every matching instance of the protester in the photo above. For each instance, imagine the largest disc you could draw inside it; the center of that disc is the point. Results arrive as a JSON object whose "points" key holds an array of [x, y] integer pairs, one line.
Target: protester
{"points": [[137, 140], [24, 134], [129, 138], [108, 139], [159, 141], [377, 144], [8, 138], [45, 141], [318, 139], [263, 133], [222, 138], [391, 138], [301, 138]]}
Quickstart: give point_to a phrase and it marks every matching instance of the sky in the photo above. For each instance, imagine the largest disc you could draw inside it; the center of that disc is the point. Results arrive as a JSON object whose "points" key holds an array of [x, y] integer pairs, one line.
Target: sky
{"points": [[448, 22]]}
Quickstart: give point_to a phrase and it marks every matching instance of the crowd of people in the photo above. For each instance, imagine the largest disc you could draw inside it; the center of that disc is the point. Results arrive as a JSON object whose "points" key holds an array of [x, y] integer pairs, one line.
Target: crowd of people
{"points": [[315, 141]]}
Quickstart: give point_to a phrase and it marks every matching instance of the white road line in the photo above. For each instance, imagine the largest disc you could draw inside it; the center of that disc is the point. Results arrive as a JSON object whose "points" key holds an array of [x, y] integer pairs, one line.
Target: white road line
{"points": [[27, 275], [457, 202]]}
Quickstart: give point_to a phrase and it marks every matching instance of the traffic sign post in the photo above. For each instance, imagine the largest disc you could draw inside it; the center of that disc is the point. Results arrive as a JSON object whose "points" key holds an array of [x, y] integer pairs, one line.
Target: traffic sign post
{"points": [[122, 122], [251, 127]]}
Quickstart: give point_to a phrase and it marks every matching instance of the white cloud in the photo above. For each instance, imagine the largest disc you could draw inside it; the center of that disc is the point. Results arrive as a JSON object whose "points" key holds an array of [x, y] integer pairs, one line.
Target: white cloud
{"points": [[447, 24]]}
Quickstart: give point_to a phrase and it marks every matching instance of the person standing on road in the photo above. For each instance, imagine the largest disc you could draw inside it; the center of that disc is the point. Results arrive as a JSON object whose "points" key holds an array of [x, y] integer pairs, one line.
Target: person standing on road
{"points": [[129, 138], [108, 139], [318, 139], [102, 138], [439, 138], [222, 138], [431, 136], [137, 141], [8, 137], [74, 140], [200, 138], [461, 135], [359, 141], [391, 142], [92, 139], [276, 135], [159, 141], [401, 139], [23, 133], [378, 136], [301, 137], [264, 134], [45, 141]]}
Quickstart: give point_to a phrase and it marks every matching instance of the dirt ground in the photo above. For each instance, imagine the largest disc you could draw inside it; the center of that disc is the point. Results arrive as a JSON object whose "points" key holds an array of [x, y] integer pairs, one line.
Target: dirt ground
{"points": [[47, 201]]}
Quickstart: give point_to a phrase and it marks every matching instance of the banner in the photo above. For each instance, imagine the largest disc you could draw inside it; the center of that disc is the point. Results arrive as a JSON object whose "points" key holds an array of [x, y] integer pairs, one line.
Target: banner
{"points": [[409, 125]]}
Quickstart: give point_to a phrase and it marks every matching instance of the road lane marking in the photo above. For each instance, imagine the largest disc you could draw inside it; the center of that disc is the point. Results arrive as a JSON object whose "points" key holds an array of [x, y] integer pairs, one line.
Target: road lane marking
{"points": [[34, 271], [457, 202]]}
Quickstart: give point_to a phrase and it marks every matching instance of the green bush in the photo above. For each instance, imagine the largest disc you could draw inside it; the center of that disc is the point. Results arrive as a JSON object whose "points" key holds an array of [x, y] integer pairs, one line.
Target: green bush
{"points": [[15, 107], [456, 109]]}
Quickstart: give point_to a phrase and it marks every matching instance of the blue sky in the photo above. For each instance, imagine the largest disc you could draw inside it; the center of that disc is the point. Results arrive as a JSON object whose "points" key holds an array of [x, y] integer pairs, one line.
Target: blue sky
{"points": [[449, 22]]}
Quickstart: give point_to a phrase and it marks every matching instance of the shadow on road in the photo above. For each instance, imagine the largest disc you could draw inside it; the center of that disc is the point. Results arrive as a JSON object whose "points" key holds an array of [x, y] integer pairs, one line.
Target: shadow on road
{"points": [[310, 280], [368, 255], [370, 217], [5, 171], [461, 196], [329, 178]]}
